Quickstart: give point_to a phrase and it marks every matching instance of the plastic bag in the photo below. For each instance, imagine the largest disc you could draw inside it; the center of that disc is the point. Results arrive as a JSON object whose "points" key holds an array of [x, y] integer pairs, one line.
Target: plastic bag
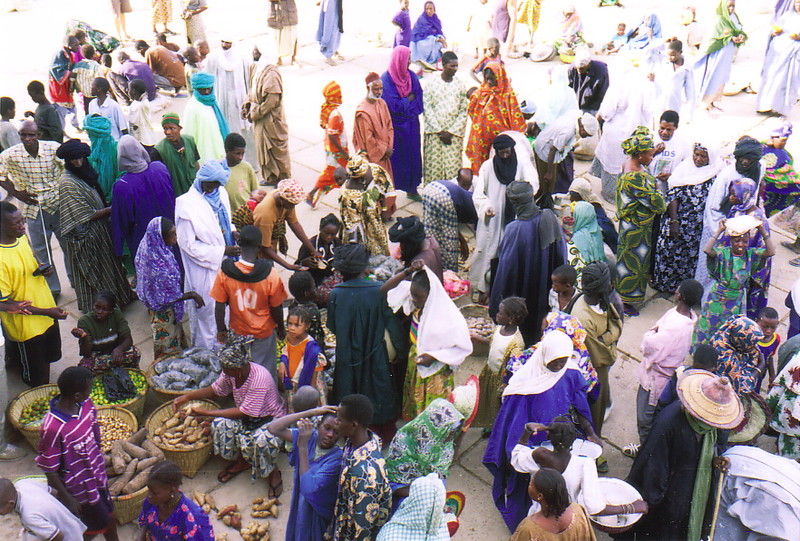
{"points": [[118, 385]]}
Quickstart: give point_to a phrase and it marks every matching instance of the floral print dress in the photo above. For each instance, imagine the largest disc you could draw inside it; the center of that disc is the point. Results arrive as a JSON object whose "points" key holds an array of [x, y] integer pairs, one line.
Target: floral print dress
{"points": [[187, 521]]}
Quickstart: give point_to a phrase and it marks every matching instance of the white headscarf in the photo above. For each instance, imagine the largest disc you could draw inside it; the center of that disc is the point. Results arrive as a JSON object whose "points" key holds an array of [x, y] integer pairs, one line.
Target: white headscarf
{"points": [[443, 332], [688, 174], [534, 377]]}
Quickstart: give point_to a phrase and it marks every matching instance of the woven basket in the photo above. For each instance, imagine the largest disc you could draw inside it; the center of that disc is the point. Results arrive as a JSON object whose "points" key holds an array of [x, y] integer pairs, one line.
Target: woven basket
{"points": [[128, 506], [162, 395], [31, 432], [136, 404], [479, 349], [190, 461]]}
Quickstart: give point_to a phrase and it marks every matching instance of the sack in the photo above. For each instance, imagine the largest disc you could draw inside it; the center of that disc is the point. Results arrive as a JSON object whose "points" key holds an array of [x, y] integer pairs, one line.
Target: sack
{"points": [[118, 385], [254, 423]]}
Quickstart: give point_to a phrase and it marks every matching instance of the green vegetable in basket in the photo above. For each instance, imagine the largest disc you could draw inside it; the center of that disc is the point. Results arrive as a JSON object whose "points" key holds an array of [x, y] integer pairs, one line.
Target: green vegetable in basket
{"points": [[36, 410]]}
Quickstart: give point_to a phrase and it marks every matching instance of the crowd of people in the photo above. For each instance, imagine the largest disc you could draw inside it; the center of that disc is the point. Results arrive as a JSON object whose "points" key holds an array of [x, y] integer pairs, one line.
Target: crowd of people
{"points": [[352, 369]]}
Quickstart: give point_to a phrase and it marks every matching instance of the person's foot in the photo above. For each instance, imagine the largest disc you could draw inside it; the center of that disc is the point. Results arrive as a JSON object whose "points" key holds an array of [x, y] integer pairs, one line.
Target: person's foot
{"points": [[601, 464], [631, 450], [795, 262], [330, 62], [630, 311], [310, 201], [232, 471], [12, 452], [275, 486], [793, 246], [486, 432], [338, 56], [170, 32], [414, 197]]}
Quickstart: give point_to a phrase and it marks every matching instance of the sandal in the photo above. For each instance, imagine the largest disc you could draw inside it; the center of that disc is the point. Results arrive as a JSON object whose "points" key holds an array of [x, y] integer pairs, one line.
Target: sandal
{"points": [[795, 262], [601, 464], [793, 246], [226, 475], [631, 450], [276, 490]]}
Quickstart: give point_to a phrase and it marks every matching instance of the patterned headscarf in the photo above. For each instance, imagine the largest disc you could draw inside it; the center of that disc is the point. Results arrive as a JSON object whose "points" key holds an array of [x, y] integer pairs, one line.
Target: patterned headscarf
{"points": [[746, 192], [333, 99], [291, 191], [426, 444], [158, 275], [639, 141], [235, 353], [357, 166], [736, 343], [421, 515], [782, 130]]}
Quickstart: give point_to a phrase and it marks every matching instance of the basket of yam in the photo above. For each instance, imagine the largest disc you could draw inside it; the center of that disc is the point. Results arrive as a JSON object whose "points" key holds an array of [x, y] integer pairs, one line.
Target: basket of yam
{"points": [[183, 437], [480, 325], [174, 375], [128, 464], [134, 405], [28, 409]]}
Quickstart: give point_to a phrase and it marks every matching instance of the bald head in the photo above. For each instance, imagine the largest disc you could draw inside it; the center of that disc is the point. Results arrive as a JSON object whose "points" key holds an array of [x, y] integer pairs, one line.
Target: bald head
{"points": [[306, 398], [202, 47], [8, 496]]}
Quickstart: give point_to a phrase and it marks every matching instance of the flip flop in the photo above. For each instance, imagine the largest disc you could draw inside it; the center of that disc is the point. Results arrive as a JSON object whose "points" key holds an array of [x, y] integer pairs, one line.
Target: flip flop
{"points": [[631, 450], [276, 490], [791, 246], [795, 262], [226, 475]]}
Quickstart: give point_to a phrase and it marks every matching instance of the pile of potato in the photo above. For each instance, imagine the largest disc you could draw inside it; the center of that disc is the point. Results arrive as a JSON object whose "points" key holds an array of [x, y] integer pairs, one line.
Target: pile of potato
{"points": [[206, 501], [112, 429], [480, 326], [256, 532], [183, 431], [230, 516], [130, 462], [264, 508]]}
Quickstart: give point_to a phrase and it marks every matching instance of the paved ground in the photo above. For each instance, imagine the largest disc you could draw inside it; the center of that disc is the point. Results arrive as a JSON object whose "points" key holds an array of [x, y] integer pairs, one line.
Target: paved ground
{"points": [[31, 37]]}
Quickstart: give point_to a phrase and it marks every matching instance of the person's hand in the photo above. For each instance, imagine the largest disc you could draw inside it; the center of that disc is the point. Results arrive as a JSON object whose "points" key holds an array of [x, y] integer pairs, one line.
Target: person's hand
{"points": [[722, 463], [534, 428], [674, 229], [179, 402], [79, 333], [18, 307], [281, 370], [297, 268], [388, 153], [235, 234], [222, 336], [304, 430], [55, 313], [490, 212], [659, 148], [316, 254], [463, 247], [26, 197], [118, 355], [483, 298], [594, 439], [201, 412], [72, 504], [663, 177], [425, 359], [445, 137], [49, 270], [722, 224], [198, 300], [640, 506], [232, 251], [417, 265]]}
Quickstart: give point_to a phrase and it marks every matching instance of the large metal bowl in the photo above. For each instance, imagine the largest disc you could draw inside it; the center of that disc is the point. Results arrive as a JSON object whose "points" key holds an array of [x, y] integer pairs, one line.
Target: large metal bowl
{"points": [[617, 492]]}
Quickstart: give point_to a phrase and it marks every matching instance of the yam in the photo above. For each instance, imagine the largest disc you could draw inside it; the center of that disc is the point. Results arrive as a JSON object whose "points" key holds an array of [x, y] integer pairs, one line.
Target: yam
{"points": [[147, 463], [122, 480], [210, 501], [137, 483], [151, 448], [228, 510], [206, 509], [263, 529], [199, 498], [118, 457], [138, 437], [172, 422], [236, 522], [260, 514], [226, 520], [134, 450], [274, 511]]}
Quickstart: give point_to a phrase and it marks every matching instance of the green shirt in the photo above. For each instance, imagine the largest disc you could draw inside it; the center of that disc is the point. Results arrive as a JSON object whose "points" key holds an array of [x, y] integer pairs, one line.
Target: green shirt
{"points": [[105, 335], [241, 184]]}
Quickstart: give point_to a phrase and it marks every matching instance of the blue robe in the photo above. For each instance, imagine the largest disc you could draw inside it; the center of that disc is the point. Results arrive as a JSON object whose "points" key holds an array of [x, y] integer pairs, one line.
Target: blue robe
{"points": [[510, 487], [780, 75], [329, 31], [524, 268], [314, 493], [407, 157]]}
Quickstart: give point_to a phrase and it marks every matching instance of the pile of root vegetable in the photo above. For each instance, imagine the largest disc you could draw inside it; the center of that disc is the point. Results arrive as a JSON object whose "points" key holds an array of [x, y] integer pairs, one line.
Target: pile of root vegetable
{"points": [[183, 431], [480, 326], [231, 516], [130, 461]]}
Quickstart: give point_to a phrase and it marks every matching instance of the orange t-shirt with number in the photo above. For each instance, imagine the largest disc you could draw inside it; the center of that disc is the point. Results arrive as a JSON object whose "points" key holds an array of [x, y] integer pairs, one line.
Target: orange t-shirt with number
{"points": [[250, 304]]}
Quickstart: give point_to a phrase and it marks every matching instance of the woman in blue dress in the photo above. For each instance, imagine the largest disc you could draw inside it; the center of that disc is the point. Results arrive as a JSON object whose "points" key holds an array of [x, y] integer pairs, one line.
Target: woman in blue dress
{"points": [[427, 38], [330, 30]]}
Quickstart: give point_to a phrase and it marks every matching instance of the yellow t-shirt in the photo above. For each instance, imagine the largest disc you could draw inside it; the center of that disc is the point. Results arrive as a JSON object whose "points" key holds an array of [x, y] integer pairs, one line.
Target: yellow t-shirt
{"points": [[17, 283], [241, 184]]}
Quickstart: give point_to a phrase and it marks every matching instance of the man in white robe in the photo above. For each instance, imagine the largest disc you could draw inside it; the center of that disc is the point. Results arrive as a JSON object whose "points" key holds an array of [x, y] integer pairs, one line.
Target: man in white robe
{"points": [[489, 196], [231, 71], [205, 238]]}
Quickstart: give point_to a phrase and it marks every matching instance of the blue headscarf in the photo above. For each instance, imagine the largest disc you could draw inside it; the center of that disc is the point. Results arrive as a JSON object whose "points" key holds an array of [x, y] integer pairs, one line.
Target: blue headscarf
{"points": [[158, 275], [216, 171], [426, 26], [586, 233], [202, 80]]}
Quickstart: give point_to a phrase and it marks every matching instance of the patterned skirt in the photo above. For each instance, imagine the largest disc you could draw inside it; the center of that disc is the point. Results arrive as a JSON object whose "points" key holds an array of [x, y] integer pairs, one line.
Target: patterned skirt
{"points": [[778, 198], [722, 304], [99, 362], [633, 261], [529, 13], [419, 392], [162, 11], [442, 162], [168, 335], [366, 220], [491, 396], [441, 222], [259, 447]]}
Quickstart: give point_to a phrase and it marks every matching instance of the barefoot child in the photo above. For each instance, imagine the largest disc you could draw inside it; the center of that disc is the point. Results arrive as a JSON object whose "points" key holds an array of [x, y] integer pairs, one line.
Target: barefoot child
{"points": [[768, 321], [301, 358], [69, 454], [506, 342], [167, 513]]}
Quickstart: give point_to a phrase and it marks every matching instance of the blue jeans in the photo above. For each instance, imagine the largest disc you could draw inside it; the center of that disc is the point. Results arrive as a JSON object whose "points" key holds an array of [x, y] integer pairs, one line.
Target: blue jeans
{"points": [[37, 231]]}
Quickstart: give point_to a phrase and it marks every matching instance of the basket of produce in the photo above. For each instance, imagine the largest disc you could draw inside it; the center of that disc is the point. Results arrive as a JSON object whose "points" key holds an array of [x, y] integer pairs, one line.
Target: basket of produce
{"points": [[134, 405], [29, 408], [480, 325], [128, 464], [178, 374], [184, 438]]}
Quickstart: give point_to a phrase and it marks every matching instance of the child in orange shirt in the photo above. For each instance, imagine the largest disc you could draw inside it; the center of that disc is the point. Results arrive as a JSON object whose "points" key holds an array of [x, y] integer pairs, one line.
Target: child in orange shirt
{"points": [[301, 358]]}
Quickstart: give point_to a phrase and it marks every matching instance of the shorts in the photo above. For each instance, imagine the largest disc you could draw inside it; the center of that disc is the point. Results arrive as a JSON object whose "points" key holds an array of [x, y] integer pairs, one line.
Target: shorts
{"points": [[33, 357], [121, 6], [97, 516]]}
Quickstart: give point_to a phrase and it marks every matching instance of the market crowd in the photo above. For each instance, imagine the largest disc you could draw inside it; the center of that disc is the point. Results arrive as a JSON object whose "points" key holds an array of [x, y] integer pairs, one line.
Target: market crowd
{"points": [[349, 364]]}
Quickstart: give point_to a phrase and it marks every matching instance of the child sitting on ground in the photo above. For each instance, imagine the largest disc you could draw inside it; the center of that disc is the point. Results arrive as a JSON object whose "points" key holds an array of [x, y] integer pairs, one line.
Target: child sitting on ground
{"points": [[104, 337], [41, 514], [619, 39], [244, 215], [492, 55], [301, 357], [768, 321], [664, 349], [563, 290], [506, 342], [167, 513], [69, 454]]}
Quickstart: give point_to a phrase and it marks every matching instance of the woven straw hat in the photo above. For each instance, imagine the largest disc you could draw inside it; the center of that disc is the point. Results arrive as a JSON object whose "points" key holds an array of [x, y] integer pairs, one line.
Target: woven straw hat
{"points": [[710, 398]]}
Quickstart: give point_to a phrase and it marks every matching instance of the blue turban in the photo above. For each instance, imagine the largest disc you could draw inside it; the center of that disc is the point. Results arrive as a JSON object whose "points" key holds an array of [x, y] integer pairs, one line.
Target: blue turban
{"points": [[203, 80], [216, 171]]}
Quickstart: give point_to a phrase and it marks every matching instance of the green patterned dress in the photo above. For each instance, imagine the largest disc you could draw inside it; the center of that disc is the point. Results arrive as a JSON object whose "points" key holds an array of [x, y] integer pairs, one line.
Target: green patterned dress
{"points": [[783, 398], [638, 203]]}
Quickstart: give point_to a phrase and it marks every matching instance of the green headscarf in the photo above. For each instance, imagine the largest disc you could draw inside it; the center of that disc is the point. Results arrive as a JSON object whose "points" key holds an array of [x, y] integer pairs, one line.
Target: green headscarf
{"points": [[702, 480], [724, 30], [639, 141], [586, 233], [104, 151]]}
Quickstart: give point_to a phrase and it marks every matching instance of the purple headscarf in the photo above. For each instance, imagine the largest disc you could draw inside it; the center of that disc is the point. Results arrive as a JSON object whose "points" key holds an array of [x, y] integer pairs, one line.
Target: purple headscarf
{"points": [[745, 191], [158, 276], [426, 26]]}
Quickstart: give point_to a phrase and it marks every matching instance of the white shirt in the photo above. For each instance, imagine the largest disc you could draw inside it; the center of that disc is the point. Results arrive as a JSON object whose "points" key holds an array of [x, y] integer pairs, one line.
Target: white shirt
{"points": [[561, 135], [112, 111], [497, 349], [42, 515], [675, 151]]}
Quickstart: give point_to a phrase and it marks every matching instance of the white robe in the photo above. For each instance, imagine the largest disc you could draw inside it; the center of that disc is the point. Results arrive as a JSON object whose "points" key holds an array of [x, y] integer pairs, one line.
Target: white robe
{"points": [[231, 72], [489, 193], [202, 249]]}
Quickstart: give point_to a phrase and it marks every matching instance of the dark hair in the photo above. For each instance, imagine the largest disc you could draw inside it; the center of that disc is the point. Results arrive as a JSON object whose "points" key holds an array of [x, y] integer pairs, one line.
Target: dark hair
{"points": [[74, 379], [141, 44], [106, 60], [136, 86], [326, 416], [35, 87], [166, 226], [357, 408], [705, 356], [675, 45], [553, 488], [107, 296], [302, 313], [6, 105], [449, 56], [768, 313], [562, 434], [670, 116], [79, 34], [691, 291], [421, 279], [567, 273], [161, 36], [250, 237], [330, 219], [102, 84], [166, 473], [88, 51], [7, 207], [516, 309], [234, 140], [301, 283]]}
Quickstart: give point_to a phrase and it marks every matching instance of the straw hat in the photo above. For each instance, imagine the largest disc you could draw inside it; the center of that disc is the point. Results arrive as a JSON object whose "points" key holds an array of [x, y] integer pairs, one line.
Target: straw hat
{"points": [[710, 399], [466, 398], [754, 422]]}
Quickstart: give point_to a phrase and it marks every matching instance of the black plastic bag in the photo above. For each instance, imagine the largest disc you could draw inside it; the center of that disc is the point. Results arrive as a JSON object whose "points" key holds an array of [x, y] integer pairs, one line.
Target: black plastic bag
{"points": [[118, 385]]}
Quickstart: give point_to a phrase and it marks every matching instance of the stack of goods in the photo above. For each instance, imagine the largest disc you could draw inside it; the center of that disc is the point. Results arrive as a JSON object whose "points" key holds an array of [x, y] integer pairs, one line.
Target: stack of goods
{"points": [[112, 429], [195, 369], [382, 267], [99, 393], [455, 286], [33, 413], [129, 463], [480, 326]]}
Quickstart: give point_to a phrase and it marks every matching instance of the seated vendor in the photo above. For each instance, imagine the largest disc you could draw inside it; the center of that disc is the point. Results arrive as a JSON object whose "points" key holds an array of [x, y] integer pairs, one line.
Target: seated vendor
{"points": [[240, 433], [104, 337]]}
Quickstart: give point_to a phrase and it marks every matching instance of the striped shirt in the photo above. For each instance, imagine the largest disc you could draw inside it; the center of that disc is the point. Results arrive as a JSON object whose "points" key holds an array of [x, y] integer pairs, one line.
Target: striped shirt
{"points": [[86, 71], [257, 397], [70, 448], [38, 175]]}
